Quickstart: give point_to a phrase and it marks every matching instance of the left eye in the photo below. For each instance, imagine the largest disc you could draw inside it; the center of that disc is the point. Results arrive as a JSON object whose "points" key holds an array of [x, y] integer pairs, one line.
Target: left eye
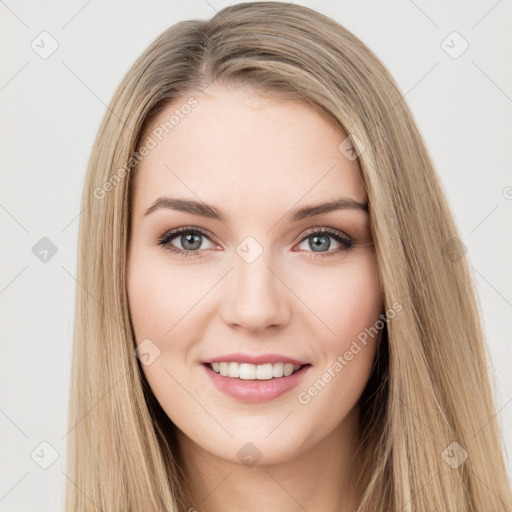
{"points": [[191, 241], [319, 240]]}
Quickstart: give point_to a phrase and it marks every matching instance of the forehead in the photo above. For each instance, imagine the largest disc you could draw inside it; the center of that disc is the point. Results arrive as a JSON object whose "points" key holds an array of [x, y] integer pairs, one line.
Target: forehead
{"points": [[240, 150]]}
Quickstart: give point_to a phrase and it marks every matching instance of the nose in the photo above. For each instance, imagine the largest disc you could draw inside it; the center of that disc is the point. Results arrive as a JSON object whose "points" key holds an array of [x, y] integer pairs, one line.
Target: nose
{"points": [[256, 296]]}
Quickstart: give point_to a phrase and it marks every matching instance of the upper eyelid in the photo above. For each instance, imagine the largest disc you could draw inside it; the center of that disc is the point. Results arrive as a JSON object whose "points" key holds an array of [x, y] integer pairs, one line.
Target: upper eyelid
{"points": [[188, 229]]}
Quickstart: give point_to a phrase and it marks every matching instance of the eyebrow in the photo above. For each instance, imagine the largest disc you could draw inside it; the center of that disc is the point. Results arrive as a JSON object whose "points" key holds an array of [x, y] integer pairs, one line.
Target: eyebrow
{"points": [[209, 211]]}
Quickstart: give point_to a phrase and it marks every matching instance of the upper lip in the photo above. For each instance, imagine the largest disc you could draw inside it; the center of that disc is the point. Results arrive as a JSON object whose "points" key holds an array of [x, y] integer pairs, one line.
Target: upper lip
{"points": [[255, 359]]}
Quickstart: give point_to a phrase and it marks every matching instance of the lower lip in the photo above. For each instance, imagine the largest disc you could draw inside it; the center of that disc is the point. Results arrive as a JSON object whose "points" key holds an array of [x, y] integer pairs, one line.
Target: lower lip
{"points": [[255, 391]]}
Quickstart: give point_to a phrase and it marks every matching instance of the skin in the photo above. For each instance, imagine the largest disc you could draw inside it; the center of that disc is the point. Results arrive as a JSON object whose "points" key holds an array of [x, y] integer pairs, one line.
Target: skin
{"points": [[257, 159]]}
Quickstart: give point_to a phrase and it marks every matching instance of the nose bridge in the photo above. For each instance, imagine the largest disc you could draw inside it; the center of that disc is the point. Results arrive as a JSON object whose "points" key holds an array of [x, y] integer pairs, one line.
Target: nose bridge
{"points": [[256, 298]]}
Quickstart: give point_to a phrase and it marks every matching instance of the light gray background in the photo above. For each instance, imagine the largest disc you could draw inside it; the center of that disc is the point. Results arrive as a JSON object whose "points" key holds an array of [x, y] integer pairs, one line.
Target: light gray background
{"points": [[51, 110]]}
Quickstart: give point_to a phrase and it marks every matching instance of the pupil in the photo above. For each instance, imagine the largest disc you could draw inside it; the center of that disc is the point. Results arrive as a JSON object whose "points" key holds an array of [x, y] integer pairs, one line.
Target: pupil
{"points": [[320, 242], [188, 239]]}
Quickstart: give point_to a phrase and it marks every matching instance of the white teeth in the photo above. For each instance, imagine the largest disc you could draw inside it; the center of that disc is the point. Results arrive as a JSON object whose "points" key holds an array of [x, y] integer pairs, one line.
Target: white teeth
{"points": [[224, 369], [264, 371], [288, 369], [278, 370], [248, 371], [233, 370]]}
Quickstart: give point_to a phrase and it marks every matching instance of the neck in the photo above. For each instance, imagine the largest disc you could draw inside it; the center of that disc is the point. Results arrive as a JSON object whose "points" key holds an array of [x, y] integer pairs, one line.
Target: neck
{"points": [[323, 478]]}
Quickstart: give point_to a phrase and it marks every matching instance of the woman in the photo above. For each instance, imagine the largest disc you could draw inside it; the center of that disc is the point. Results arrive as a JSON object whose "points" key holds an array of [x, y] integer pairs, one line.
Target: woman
{"points": [[276, 312]]}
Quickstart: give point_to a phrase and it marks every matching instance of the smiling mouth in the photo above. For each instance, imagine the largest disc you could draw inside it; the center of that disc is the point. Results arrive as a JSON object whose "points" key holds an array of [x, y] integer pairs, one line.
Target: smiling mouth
{"points": [[247, 371]]}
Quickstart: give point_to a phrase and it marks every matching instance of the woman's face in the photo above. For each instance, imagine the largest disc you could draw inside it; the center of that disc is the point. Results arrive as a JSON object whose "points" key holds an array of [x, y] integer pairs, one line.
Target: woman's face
{"points": [[248, 278]]}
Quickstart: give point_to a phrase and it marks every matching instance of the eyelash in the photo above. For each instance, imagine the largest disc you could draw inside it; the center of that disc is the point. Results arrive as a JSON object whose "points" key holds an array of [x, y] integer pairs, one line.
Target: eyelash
{"points": [[165, 239]]}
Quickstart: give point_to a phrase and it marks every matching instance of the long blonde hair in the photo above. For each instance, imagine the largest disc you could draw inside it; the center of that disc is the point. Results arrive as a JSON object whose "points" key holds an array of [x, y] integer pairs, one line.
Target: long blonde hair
{"points": [[430, 387]]}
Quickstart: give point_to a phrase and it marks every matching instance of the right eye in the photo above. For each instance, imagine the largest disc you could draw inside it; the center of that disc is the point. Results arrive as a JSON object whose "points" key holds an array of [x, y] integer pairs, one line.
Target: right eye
{"points": [[190, 239]]}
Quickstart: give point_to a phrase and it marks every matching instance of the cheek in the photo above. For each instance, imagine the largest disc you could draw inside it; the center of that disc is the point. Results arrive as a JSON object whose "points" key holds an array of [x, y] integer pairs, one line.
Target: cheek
{"points": [[345, 299], [168, 307], [347, 302], [159, 295]]}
